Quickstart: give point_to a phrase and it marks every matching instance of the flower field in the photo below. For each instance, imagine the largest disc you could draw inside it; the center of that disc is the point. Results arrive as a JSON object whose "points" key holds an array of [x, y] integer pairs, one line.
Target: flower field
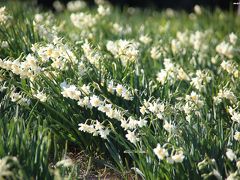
{"points": [[102, 92]]}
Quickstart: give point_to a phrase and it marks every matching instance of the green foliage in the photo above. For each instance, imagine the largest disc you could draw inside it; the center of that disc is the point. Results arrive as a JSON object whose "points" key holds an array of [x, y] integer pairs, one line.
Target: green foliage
{"points": [[155, 92]]}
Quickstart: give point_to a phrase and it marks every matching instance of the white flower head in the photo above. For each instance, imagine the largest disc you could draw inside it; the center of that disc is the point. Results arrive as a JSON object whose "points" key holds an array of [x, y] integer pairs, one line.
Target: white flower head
{"points": [[86, 128], [110, 87], [120, 89], [126, 50], [225, 49], [103, 10], [70, 91], [145, 39], [231, 155], [41, 96], [155, 53], [168, 127], [233, 38], [178, 157], [38, 18], [197, 9], [237, 136], [104, 133], [142, 122], [83, 20], [3, 15], [65, 163], [160, 152], [76, 5], [131, 136], [95, 101]]}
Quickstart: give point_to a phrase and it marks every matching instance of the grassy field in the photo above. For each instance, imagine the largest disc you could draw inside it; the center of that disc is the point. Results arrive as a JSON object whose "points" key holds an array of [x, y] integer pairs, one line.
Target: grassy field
{"points": [[99, 92]]}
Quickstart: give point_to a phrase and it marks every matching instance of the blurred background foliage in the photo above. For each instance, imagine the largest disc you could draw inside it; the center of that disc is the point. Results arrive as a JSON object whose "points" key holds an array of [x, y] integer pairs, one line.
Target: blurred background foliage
{"points": [[157, 4]]}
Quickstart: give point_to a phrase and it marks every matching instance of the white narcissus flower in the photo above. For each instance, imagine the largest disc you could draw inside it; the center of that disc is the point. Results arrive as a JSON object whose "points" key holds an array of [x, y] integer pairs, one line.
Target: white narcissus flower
{"points": [[132, 123], [145, 39], [232, 176], [196, 40], [81, 68], [183, 37], [182, 75], [175, 46], [236, 117], [15, 96], [227, 65], [169, 66], [230, 67], [104, 133], [76, 5], [162, 76], [124, 124], [233, 38], [237, 136], [217, 100], [38, 18], [65, 163], [16, 67], [160, 152], [4, 44], [238, 164], [120, 89], [132, 137], [86, 128], [118, 114], [231, 155], [142, 122], [227, 94], [86, 89], [168, 126], [126, 50], [95, 101], [98, 125], [200, 80], [197, 10], [41, 96], [119, 29], [110, 113], [105, 108], [195, 98], [92, 55], [103, 10], [84, 102], [83, 20], [110, 87], [143, 110], [58, 6], [225, 49], [71, 92], [178, 157], [3, 15], [127, 95], [26, 69], [155, 53]]}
